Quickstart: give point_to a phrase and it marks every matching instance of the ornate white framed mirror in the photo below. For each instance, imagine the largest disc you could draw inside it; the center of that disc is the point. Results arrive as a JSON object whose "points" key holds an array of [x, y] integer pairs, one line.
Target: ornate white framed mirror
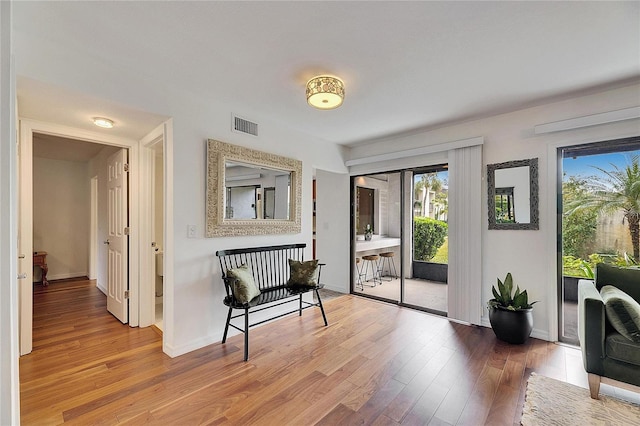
{"points": [[251, 192]]}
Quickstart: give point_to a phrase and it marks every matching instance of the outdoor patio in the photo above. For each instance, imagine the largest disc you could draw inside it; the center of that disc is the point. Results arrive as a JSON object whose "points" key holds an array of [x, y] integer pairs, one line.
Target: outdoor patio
{"points": [[423, 293]]}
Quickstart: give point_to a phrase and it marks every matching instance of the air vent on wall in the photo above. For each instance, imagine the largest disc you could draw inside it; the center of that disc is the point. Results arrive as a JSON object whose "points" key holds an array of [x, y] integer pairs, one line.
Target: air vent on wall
{"points": [[244, 126]]}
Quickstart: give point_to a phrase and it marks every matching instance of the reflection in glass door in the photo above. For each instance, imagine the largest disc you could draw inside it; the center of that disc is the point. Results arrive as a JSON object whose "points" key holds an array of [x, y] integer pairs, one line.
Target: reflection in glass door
{"points": [[377, 253]]}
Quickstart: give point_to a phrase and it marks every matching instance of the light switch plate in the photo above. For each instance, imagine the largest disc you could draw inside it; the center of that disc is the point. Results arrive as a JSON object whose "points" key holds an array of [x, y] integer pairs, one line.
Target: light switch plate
{"points": [[191, 231]]}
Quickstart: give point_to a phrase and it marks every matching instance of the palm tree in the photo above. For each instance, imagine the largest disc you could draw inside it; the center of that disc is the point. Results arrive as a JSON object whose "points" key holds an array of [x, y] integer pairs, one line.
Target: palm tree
{"points": [[618, 191], [428, 182]]}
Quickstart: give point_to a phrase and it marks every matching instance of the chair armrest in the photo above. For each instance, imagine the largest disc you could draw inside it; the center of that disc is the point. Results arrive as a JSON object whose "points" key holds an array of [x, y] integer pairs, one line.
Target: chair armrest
{"points": [[591, 326]]}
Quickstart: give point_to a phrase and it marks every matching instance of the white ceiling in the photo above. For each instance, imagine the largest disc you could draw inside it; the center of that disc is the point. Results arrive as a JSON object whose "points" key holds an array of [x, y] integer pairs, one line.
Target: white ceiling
{"points": [[406, 65]]}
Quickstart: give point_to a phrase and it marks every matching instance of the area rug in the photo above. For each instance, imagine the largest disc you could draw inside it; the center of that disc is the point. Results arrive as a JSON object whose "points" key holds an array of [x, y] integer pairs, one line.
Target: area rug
{"points": [[551, 402]]}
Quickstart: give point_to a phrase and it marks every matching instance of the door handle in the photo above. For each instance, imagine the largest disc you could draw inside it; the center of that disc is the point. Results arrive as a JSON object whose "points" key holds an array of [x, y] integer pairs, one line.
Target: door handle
{"points": [[22, 276], [106, 242], [21, 256]]}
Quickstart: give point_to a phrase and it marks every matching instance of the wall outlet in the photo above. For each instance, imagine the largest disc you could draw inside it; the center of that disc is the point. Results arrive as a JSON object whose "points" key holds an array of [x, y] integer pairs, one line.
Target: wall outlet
{"points": [[191, 231]]}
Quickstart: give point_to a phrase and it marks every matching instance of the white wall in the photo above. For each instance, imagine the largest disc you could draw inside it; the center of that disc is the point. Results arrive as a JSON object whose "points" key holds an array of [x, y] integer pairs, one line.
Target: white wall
{"points": [[61, 215], [528, 255], [198, 289], [333, 232]]}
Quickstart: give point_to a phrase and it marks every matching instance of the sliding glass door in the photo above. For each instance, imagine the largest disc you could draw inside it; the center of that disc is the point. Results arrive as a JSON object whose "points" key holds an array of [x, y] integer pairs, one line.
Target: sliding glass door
{"points": [[426, 286], [400, 237], [598, 211], [378, 236]]}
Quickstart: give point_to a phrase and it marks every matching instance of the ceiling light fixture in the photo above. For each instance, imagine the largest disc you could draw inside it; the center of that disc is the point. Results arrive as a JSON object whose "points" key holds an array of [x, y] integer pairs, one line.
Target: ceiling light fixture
{"points": [[103, 122], [325, 92]]}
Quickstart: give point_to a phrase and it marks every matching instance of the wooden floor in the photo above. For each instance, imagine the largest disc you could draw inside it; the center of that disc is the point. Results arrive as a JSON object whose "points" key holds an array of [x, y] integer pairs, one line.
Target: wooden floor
{"points": [[375, 364]]}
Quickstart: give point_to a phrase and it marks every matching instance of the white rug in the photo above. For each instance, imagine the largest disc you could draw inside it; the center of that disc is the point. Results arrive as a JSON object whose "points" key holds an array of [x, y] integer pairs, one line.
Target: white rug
{"points": [[551, 402]]}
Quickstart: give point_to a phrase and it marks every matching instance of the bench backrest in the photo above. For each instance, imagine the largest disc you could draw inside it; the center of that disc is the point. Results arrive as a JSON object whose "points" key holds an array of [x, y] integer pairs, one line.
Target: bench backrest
{"points": [[269, 265]]}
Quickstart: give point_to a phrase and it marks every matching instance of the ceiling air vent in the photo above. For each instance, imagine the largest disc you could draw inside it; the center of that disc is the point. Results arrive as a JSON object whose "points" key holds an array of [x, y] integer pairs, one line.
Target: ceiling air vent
{"points": [[244, 126]]}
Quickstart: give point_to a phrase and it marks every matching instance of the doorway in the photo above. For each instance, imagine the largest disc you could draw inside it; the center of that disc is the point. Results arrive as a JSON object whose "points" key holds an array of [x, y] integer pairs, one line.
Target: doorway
{"points": [[139, 309], [596, 220], [158, 237], [400, 237]]}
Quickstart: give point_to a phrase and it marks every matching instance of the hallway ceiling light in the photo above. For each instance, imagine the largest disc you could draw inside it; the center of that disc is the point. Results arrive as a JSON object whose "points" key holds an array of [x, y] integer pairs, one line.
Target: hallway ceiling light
{"points": [[103, 122], [325, 92]]}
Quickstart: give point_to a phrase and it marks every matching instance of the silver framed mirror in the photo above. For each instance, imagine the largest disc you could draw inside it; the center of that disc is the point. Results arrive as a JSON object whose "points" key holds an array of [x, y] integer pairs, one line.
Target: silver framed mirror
{"points": [[251, 192], [513, 194]]}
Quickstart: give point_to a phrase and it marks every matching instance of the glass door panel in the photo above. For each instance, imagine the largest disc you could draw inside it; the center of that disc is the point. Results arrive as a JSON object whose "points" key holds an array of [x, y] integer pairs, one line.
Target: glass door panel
{"points": [[377, 256], [594, 188], [425, 285]]}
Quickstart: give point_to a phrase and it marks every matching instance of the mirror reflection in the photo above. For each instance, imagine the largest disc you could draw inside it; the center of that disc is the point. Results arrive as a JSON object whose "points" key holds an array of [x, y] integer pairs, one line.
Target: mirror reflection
{"points": [[513, 194], [256, 192]]}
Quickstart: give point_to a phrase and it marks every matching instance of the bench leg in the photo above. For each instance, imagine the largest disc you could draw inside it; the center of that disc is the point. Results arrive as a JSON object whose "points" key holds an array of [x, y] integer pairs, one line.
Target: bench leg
{"points": [[246, 334], [300, 310], [321, 307], [226, 327]]}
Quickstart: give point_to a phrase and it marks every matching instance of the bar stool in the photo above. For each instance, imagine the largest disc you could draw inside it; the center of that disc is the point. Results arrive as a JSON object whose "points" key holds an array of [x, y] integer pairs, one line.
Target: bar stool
{"points": [[359, 274], [371, 262], [386, 258]]}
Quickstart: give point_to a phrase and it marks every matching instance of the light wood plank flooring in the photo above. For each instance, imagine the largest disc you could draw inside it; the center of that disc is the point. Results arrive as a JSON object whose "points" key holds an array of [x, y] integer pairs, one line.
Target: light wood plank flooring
{"points": [[375, 364]]}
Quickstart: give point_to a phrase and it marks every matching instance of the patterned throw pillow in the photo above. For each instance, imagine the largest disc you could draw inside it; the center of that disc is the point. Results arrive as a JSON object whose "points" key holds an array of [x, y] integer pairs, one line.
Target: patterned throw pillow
{"points": [[303, 274], [244, 287], [623, 312]]}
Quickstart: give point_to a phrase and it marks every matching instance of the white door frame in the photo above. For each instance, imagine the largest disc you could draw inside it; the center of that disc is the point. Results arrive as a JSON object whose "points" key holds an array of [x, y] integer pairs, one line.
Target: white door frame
{"points": [[161, 134], [27, 129]]}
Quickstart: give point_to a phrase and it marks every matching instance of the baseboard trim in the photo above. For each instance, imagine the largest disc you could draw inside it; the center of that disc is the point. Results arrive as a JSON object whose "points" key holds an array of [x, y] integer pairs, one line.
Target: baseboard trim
{"points": [[67, 276], [175, 351]]}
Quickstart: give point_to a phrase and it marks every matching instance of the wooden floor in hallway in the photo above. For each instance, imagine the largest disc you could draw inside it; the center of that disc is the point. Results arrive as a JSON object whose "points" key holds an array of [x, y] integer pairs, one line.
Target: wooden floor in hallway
{"points": [[375, 363]]}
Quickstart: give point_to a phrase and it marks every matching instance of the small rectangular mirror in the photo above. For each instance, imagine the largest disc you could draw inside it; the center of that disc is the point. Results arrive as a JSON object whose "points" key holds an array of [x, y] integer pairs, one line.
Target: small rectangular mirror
{"points": [[513, 194]]}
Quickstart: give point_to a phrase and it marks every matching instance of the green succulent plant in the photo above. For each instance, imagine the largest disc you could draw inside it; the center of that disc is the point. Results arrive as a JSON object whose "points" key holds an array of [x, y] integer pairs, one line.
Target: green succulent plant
{"points": [[502, 296]]}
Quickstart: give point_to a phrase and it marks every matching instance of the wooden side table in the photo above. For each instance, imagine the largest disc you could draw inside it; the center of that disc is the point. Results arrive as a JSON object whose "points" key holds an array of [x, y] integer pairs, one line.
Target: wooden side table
{"points": [[40, 259]]}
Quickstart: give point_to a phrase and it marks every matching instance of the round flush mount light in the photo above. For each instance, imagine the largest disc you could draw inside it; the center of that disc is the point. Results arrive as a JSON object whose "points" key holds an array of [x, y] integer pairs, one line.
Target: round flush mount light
{"points": [[103, 122], [325, 92]]}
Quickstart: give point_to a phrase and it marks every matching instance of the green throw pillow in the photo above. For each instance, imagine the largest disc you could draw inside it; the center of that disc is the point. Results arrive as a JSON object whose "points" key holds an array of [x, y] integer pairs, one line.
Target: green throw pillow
{"points": [[622, 311], [244, 287], [303, 274]]}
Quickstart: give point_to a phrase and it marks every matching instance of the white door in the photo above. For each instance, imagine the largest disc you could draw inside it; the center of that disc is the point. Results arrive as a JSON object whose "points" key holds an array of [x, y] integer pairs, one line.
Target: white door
{"points": [[25, 241], [118, 239]]}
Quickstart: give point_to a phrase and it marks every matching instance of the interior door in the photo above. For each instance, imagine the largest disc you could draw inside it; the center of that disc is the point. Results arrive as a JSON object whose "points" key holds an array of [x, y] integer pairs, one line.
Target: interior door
{"points": [[25, 240], [118, 239]]}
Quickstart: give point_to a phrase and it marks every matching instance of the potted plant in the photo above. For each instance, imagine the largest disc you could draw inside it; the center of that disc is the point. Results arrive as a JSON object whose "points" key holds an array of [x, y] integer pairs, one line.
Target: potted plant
{"points": [[368, 232], [511, 317]]}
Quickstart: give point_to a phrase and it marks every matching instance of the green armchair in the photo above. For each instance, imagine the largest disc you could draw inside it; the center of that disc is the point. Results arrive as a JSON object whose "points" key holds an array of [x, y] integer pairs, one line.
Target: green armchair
{"points": [[608, 356]]}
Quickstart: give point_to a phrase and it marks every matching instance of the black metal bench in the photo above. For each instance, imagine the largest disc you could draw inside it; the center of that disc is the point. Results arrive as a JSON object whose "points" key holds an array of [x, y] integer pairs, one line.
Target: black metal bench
{"points": [[269, 267]]}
